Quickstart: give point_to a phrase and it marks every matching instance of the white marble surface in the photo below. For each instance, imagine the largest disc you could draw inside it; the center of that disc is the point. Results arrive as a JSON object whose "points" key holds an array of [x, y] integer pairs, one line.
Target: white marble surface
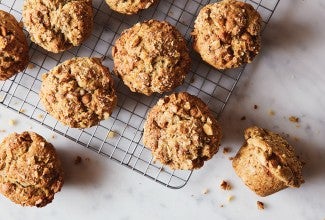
{"points": [[288, 78]]}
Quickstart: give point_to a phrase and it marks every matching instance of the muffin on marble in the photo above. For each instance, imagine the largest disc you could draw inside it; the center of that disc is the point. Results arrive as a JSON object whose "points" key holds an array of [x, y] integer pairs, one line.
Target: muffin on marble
{"points": [[267, 163], [58, 25], [227, 34], [31, 171], [181, 132], [151, 57], [129, 6], [13, 46], [79, 92]]}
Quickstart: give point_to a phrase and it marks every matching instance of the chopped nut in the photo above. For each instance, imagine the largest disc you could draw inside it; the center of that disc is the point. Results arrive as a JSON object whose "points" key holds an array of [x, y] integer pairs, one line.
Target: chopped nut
{"points": [[226, 150], [207, 129], [78, 160], [86, 99], [187, 106], [243, 118], [225, 185], [3, 31], [294, 119], [260, 205], [106, 115], [12, 122], [205, 191], [42, 144], [82, 92]]}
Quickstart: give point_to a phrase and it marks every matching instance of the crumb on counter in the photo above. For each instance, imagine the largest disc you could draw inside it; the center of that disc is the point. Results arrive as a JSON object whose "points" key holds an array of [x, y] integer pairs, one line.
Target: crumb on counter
{"points": [[294, 119], [78, 160], [205, 191], [260, 205], [271, 112], [87, 159], [225, 185], [221, 206], [12, 122], [243, 118], [255, 106], [226, 150], [230, 198]]}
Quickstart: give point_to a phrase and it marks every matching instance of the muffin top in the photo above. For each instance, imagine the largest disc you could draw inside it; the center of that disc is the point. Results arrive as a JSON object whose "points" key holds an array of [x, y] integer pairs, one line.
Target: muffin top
{"points": [[181, 131], [129, 6], [57, 25], [13, 46], [227, 33], [31, 171], [151, 57], [79, 92], [275, 153]]}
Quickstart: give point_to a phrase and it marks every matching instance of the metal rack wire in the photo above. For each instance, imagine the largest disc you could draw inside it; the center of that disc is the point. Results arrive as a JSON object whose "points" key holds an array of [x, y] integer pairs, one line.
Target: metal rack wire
{"points": [[20, 93]]}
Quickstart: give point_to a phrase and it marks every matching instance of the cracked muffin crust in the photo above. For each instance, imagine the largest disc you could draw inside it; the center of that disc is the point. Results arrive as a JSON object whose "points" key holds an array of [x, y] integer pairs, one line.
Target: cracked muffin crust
{"points": [[57, 25], [13, 46], [129, 6], [79, 92], [30, 170], [151, 57], [181, 132], [267, 163], [227, 34]]}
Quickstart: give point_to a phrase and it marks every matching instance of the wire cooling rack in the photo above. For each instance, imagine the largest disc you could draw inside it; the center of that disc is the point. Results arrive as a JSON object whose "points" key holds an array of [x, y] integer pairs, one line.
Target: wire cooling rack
{"points": [[119, 138]]}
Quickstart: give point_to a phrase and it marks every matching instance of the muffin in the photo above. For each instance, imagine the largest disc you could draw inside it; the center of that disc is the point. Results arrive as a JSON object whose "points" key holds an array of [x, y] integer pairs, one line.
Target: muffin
{"points": [[58, 25], [267, 163], [31, 171], [13, 46], [79, 92], [151, 57], [129, 6], [227, 34], [181, 132]]}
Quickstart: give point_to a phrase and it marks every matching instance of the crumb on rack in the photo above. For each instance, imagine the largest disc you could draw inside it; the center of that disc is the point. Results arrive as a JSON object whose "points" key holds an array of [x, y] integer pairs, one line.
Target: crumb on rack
{"points": [[192, 79], [255, 106], [226, 150], [111, 134], [271, 112], [260, 205], [205, 191], [243, 118], [230, 158], [225, 185], [22, 110], [294, 119], [40, 116], [2, 130], [53, 136], [78, 160], [31, 66], [12, 122]]}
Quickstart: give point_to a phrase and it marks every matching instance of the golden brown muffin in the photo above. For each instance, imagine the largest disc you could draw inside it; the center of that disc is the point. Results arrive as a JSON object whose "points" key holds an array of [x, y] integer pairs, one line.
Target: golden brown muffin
{"points": [[227, 34], [151, 57], [79, 92], [129, 6], [13, 46], [267, 163], [57, 25], [31, 171], [181, 132]]}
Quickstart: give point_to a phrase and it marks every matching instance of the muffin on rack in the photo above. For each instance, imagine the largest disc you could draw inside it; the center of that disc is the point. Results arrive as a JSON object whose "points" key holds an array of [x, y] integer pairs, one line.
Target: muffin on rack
{"points": [[58, 25], [31, 172], [79, 92], [181, 132], [13, 46], [227, 34], [151, 57], [129, 6], [267, 163]]}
